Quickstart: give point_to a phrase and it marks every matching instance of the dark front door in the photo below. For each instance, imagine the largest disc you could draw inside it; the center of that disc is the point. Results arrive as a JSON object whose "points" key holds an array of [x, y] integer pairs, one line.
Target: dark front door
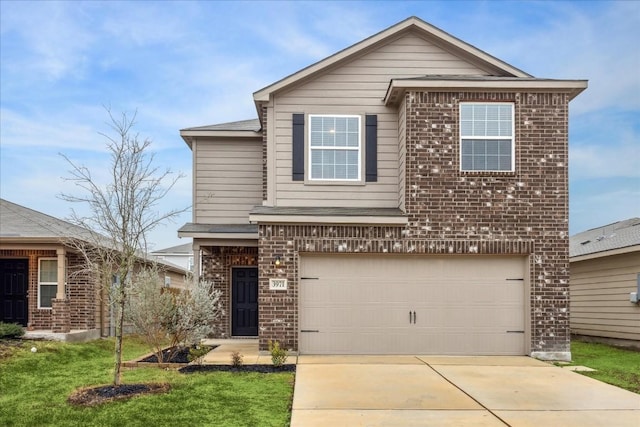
{"points": [[244, 302], [13, 290]]}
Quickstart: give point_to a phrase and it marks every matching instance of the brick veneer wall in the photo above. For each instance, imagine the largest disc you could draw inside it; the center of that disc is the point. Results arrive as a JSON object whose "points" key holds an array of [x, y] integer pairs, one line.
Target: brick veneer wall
{"points": [[216, 267], [452, 212], [80, 292]]}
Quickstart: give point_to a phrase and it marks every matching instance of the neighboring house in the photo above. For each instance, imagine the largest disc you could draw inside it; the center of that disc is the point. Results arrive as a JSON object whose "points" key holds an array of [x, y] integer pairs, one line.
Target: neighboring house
{"points": [[407, 195], [181, 255], [605, 271], [42, 283]]}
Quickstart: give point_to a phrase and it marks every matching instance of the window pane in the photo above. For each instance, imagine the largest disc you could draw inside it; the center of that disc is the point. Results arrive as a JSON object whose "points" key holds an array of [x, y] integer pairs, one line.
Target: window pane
{"points": [[47, 293], [505, 147], [48, 270], [352, 139], [316, 139], [467, 163], [505, 163], [340, 132], [492, 147], [328, 157], [316, 171], [316, 124], [492, 163], [352, 157], [479, 113], [467, 147], [483, 155]]}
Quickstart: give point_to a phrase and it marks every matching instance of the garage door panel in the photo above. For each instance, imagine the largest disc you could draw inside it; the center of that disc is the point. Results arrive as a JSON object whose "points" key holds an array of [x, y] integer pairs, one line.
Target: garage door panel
{"points": [[409, 304]]}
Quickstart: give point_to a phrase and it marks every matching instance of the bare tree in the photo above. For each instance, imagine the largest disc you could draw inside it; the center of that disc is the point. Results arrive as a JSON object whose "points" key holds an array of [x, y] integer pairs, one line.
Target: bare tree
{"points": [[121, 212]]}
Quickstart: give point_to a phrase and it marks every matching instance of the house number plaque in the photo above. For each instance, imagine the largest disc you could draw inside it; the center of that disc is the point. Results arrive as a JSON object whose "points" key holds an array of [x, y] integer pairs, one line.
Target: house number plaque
{"points": [[277, 284]]}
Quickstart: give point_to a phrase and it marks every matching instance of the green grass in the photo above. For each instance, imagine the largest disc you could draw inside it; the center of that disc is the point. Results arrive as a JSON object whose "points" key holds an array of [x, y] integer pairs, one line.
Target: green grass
{"points": [[615, 366], [34, 388]]}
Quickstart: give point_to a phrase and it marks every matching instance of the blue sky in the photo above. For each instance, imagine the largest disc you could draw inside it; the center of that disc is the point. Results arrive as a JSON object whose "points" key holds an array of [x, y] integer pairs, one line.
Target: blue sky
{"points": [[183, 64]]}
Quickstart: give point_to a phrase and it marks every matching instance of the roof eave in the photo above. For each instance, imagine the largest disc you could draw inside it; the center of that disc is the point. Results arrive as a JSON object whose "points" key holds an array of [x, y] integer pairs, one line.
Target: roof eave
{"points": [[263, 94], [602, 254], [398, 87], [189, 135]]}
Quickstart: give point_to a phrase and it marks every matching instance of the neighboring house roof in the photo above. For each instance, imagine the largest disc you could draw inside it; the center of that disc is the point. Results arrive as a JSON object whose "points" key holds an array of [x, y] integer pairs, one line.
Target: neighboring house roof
{"points": [[619, 237], [21, 224], [185, 249], [17, 221]]}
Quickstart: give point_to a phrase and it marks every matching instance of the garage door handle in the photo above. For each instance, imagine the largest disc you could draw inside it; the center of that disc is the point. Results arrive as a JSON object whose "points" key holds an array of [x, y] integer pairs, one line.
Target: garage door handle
{"points": [[412, 317], [309, 330]]}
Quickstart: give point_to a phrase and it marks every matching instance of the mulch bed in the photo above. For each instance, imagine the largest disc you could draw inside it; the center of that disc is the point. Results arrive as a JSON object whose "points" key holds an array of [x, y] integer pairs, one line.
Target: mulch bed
{"points": [[93, 396], [179, 356], [263, 369]]}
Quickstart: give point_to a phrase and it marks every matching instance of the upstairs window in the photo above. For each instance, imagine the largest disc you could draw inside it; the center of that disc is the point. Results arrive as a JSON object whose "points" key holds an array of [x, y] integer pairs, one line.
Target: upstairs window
{"points": [[335, 147], [486, 137], [47, 281]]}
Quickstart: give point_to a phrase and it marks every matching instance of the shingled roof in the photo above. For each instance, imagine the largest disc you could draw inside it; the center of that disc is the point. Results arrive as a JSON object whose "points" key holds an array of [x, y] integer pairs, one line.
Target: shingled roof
{"points": [[19, 221], [621, 234]]}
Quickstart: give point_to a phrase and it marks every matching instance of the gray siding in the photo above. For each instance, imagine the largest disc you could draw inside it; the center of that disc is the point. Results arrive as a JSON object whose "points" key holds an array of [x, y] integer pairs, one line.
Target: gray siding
{"points": [[227, 180], [600, 297], [358, 87]]}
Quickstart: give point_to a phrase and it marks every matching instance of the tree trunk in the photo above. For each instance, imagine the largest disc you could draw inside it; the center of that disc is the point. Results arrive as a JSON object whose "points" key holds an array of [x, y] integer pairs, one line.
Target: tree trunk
{"points": [[117, 376]]}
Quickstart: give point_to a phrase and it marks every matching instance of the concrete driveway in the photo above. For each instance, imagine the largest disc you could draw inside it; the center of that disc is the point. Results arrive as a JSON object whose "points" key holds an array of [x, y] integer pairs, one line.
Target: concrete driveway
{"points": [[453, 391]]}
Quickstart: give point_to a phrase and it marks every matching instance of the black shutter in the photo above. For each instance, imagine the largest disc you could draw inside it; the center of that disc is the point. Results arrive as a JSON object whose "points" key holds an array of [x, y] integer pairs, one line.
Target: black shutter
{"points": [[298, 148], [371, 148]]}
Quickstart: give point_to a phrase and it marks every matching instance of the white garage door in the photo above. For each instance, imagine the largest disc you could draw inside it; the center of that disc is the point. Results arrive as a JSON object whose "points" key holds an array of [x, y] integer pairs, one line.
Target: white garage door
{"points": [[386, 304]]}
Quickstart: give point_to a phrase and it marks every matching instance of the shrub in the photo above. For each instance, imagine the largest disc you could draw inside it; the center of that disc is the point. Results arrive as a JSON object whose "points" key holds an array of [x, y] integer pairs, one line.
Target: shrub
{"points": [[11, 330], [278, 355], [236, 359]]}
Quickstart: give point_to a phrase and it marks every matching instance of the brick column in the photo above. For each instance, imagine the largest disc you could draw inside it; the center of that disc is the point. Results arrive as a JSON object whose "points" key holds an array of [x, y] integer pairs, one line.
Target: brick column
{"points": [[60, 315]]}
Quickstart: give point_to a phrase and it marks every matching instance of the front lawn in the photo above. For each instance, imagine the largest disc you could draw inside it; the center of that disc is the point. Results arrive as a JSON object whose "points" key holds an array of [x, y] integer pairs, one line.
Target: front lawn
{"points": [[615, 366], [34, 388]]}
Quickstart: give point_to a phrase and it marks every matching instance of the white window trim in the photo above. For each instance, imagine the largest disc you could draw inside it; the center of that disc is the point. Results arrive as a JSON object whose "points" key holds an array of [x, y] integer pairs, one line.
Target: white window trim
{"points": [[45, 283], [511, 138], [359, 148]]}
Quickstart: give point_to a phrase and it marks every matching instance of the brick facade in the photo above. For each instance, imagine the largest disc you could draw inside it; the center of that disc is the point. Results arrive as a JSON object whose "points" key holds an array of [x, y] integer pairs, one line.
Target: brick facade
{"points": [[76, 311], [452, 212], [217, 263]]}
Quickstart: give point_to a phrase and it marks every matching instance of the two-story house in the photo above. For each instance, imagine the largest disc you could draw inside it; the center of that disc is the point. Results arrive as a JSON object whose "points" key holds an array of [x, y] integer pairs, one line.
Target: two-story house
{"points": [[406, 195]]}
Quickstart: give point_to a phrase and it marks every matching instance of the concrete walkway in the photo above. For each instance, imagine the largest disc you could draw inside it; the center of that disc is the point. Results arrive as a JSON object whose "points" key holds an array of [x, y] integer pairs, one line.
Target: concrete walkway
{"points": [[248, 348], [453, 391]]}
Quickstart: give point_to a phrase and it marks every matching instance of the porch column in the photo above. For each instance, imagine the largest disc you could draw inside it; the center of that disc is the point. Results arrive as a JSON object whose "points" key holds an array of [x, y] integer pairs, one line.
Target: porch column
{"points": [[62, 279], [196, 261], [60, 313]]}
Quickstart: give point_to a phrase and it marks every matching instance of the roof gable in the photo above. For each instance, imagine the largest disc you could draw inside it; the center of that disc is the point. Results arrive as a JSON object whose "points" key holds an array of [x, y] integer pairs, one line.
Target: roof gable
{"points": [[436, 36]]}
